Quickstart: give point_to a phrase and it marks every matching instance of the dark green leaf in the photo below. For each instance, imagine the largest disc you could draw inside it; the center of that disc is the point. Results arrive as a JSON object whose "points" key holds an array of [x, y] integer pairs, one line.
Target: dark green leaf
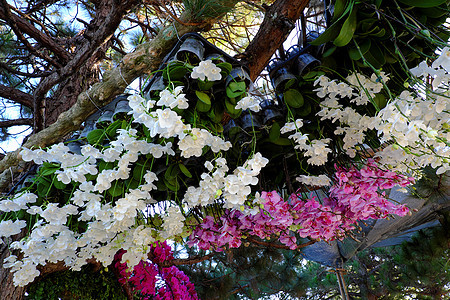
{"points": [[290, 83], [231, 109], [423, 3], [203, 97], [171, 172], [274, 133], [364, 47], [333, 31], [202, 107], [305, 110], [226, 68], [112, 129], [293, 98], [58, 184], [184, 170], [204, 86], [96, 136], [236, 89], [339, 8], [116, 189], [329, 51], [48, 169], [380, 100], [347, 30]]}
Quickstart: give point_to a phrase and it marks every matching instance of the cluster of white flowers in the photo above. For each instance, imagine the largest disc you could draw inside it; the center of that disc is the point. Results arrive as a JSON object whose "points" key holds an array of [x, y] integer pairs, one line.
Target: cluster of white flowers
{"points": [[9, 228], [316, 150], [439, 70], [420, 129], [206, 70], [415, 127], [17, 203], [250, 103], [173, 222], [192, 144], [173, 98], [237, 185], [233, 188]]}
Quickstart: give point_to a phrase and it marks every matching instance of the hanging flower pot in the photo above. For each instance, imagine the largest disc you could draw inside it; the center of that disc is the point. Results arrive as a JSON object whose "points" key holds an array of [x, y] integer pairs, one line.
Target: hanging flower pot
{"points": [[122, 109], [157, 86], [250, 121], [283, 79], [305, 62], [105, 120], [293, 51], [238, 75], [75, 146], [191, 51], [270, 111]]}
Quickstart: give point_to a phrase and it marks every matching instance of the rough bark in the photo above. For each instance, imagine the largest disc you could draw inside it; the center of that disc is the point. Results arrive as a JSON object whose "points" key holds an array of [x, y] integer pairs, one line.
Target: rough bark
{"points": [[16, 95], [278, 22], [7, 288]]}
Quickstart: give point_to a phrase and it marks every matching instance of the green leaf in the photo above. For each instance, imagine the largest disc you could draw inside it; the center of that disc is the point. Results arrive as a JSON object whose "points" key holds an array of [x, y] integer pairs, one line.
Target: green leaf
{"points": [[58, 184], [423, 3], [204, 86], [333, 31], [174, 71], [364, 47], [184, 170], [347, 30], [434, 12], [171, 172], [306, 110], [380, 100], [235, 89], [231, 109], [96, 136], [339, 8], [282, 141], [274, 133], [202, 107], [329, 51], [116, 189], [293, 98], [113, 127], [328, 35], [226, 68], [290, 83], [375, 56], [172, 185], [203, 97], [48, 169], [216, 114]]}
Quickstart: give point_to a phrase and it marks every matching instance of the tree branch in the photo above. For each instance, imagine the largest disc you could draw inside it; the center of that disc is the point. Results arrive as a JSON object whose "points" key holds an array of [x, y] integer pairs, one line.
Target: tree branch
{"points": [[21, 25], [16, 95], [278, 23], [16, 122], [278, 246]]}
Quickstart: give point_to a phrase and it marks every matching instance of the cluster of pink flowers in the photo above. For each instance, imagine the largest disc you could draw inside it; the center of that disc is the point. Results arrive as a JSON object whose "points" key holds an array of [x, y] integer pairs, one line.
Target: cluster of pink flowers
{"points": [[147, 275], [356, 195]]}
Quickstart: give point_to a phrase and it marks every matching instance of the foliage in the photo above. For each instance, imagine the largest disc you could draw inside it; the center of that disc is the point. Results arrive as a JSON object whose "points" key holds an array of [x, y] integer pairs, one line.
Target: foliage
{"points": [[87, 284]]}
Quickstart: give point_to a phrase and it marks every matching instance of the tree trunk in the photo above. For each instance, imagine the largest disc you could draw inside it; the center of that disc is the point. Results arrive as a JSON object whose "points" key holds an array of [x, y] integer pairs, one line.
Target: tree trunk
{"points": [[8, 291]]}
